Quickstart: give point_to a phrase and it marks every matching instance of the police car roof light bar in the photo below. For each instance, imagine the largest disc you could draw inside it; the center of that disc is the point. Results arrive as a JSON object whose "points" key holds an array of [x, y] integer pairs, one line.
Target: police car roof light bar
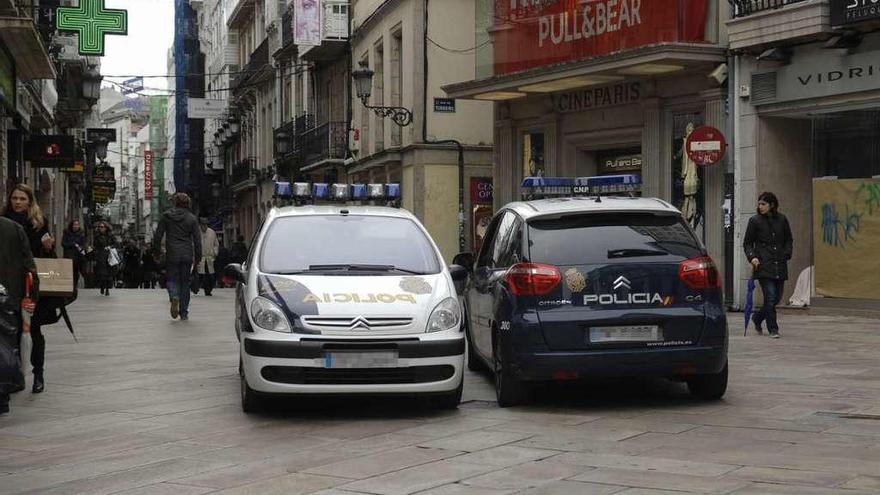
{"points": [[556, 187], [302, 193]]}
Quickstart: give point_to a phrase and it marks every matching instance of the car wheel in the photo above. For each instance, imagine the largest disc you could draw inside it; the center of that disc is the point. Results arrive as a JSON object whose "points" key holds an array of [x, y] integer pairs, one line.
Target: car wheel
{"points": [[709, 387], [450, 400], [509, 391], [250, 402]]}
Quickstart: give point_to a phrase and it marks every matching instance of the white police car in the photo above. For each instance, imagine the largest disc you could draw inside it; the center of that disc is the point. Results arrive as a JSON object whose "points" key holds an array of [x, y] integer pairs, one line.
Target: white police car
{"points": [[347, 300]]}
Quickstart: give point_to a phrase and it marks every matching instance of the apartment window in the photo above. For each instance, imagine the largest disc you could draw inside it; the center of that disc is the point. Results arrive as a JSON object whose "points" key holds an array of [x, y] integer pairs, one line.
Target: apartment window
{"points": [[396, 81], [300, 96], [379, 93]]}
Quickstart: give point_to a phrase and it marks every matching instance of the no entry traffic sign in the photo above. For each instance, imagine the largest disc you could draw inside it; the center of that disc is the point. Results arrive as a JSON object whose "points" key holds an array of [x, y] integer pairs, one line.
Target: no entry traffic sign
{"points": [[706, 145]]}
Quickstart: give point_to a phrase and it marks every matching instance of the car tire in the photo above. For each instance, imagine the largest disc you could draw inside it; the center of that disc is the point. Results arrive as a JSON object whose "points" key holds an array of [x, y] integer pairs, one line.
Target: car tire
{"points": [[450, 400], [509, 390], [709, 387], [474, 362], [250, 402]]}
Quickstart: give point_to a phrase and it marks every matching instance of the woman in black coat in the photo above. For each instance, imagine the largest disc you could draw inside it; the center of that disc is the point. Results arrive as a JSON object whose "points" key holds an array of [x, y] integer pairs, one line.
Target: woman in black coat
{"points": [[103, 271], [74, 244], [768, 247], [22, 208]]}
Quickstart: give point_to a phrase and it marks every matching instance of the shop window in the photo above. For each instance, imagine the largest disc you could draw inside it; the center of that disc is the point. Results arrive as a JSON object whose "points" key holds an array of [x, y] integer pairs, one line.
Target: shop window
{"points": [[687, 177], [533, 154], [847, 144]]}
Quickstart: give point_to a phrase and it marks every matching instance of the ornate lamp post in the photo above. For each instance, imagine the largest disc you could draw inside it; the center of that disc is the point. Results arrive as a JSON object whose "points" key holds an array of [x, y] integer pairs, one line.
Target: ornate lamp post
{"points": [[363, 83]]}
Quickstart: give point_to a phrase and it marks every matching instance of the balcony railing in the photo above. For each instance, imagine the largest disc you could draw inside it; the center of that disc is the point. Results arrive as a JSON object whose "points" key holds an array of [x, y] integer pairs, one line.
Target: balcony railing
{"points": [[328, 141], [742, 8], [258, 62]]}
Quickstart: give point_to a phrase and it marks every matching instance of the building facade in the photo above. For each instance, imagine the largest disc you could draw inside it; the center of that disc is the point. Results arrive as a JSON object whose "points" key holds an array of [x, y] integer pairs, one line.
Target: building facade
{"points": [[807, 113], [414, 48], [604, 88]]}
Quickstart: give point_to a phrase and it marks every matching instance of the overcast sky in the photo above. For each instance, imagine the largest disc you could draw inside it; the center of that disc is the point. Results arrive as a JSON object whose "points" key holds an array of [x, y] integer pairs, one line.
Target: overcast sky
{"points": [[145, 50]]}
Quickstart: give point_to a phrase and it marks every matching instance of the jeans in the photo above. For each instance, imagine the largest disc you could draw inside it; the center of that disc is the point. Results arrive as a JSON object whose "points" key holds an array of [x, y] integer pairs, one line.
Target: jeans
{"points": [[772, 290], [179, 278]]}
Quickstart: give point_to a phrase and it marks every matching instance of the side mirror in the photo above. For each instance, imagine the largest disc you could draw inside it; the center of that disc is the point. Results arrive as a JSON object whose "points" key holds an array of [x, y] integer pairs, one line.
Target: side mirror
{"points": [[464, 259], [237, 273], [459, 276]]}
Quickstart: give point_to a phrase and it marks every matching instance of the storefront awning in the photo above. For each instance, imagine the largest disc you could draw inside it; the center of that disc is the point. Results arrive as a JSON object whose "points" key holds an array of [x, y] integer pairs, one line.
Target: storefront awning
{"points": [[22, 39], [649, 61]]}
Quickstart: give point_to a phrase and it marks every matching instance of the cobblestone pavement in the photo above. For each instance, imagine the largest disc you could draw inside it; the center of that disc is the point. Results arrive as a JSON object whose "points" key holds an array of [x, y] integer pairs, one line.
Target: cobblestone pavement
{"points": [[143, 404]]}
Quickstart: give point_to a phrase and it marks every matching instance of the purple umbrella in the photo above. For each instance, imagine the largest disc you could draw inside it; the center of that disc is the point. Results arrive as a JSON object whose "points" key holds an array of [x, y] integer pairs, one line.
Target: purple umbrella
{"points": [[750, 294]]}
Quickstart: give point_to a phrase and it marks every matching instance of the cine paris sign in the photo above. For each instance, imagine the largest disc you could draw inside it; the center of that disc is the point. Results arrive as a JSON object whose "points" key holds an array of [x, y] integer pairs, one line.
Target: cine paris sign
{"points": [[91, 21]]}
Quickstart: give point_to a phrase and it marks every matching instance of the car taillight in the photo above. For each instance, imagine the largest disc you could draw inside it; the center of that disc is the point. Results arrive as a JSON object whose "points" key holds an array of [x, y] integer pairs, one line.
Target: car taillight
{"points": [[699, 273], [532, 279]]}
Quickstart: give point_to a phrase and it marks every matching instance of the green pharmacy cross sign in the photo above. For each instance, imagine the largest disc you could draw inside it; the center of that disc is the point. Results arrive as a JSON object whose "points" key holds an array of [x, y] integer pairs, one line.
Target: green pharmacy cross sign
{"points": [[91, 22]]}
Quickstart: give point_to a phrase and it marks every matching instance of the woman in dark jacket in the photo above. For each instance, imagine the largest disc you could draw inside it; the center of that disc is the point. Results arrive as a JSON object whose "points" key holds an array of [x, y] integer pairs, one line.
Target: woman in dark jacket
{"points": [[22, 208], [103, 270], [74, 244], [768, 247]]}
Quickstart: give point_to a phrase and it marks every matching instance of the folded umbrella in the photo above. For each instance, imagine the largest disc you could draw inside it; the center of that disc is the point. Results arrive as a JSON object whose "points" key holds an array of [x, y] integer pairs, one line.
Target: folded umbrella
{"points": [[750, 296]]}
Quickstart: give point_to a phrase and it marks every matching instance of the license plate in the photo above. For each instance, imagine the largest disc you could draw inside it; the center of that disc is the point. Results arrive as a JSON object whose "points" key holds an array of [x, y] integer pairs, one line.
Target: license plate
{"points": [[638, 333], [384, 359]]}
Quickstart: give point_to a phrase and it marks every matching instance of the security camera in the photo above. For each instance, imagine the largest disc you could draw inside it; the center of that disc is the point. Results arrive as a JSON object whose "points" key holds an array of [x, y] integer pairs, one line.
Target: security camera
{"points": [[719, 73]]}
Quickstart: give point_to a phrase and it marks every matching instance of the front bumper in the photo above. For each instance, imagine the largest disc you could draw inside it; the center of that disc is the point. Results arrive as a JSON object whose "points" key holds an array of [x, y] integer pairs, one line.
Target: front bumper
{"points": [[426, 364], [619, 363]]}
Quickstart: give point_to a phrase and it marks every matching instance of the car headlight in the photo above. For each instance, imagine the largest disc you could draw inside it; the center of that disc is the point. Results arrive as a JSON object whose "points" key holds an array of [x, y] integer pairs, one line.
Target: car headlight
{"points": [[446, 315], [268, 316]]}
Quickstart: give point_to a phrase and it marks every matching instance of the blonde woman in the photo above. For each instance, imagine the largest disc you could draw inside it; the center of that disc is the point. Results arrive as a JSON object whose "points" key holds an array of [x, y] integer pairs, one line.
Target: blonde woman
{"points": [[22, 208]]}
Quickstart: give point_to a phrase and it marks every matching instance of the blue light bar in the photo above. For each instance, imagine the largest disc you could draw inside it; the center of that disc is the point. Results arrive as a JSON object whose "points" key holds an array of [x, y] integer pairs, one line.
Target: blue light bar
{"points": [[608, 184], [544, 187], [320, 190], [283, 190], [392, 191]]}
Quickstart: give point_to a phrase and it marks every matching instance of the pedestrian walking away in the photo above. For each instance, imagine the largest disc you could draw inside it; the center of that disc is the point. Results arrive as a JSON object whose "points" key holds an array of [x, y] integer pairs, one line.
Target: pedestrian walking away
{"points": [[210, 249], [23, 209], [74, 243], [768, 247], [104, 269], [18, 260], [150, 266], [183, 251]]}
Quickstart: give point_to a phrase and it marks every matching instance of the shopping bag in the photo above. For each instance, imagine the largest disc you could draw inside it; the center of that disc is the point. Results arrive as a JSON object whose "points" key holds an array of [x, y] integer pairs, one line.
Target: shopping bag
{"points": [[56, 276], [113, 258]]}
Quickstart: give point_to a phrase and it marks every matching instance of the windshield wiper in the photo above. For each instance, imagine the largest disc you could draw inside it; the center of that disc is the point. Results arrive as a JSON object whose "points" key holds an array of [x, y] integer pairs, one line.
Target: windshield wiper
{"points": [[634, 253], [357, 267]]}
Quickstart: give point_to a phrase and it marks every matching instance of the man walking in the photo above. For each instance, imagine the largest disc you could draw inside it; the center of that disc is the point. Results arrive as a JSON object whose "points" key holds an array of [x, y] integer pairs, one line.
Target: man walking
{"points": [[210, 247], [183, 251], [17, 259]]}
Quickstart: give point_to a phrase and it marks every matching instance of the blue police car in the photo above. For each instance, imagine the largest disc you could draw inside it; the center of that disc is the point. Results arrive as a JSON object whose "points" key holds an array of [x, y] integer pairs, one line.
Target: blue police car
{"points": [[578, 287]]}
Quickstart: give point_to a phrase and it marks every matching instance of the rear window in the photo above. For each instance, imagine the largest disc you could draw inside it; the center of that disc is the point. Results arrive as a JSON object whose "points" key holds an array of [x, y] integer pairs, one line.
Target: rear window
{"points": [[293, 244], [604, 238]]}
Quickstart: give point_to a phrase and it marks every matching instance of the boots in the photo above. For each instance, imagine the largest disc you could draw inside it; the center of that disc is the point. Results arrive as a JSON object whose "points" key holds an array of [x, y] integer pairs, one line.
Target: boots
{"points": [[39, 385]]}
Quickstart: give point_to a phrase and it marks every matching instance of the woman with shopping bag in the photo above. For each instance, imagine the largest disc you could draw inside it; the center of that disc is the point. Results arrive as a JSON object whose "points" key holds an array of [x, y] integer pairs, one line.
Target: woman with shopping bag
{"points": [[22, 208]]}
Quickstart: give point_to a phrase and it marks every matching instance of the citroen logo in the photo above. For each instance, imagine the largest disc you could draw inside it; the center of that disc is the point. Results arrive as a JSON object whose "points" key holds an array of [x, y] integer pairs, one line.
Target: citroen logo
{"points": [[359, 323], [622, 282]]}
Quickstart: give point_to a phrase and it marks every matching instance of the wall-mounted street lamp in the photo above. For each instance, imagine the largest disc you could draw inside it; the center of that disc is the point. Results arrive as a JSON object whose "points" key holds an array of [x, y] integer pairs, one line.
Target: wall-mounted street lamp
{"points": [[363, 84], [92, 84], [282, 142]]}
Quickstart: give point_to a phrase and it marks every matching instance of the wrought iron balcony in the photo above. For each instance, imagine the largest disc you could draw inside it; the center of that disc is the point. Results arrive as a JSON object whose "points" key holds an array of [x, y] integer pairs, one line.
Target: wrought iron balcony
{"points": [[242, 171], [742, 8], [326, 142], [258, 64]]}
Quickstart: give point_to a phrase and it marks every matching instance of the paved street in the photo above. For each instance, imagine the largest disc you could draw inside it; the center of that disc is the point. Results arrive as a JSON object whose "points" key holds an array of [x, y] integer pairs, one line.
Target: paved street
{"points": [[143, 404]]}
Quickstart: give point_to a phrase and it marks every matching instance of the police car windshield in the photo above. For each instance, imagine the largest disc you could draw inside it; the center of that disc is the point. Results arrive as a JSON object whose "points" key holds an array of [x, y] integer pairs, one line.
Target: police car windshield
{"points": [[347, 245]]}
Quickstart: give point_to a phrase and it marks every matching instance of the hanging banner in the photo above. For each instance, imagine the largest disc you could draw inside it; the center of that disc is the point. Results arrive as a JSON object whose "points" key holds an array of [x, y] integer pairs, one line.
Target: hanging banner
{"points": [[203, 108], [148, 174], [846, 237], [307, 22], [536, 33]]}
